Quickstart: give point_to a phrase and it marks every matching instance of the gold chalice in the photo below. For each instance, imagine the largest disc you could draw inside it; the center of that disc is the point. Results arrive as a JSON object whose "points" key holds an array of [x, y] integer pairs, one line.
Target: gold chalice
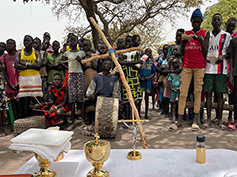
{"points": [[44, 166], [97, 152]]}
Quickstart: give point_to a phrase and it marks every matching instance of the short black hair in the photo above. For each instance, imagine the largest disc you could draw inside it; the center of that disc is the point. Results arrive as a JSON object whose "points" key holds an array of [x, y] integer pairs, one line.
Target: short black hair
{"points": [[28, 37], [3, 44], [216, 14], [166, 45], [57, 42], [129, 36], [231, 19], [58, 74], [180, 30], [36, 38], [134, 37], [12, 41]]}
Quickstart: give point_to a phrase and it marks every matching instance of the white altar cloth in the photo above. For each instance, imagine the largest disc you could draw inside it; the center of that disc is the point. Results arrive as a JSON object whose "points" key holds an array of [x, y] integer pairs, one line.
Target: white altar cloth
{"points": [[154, 163]]}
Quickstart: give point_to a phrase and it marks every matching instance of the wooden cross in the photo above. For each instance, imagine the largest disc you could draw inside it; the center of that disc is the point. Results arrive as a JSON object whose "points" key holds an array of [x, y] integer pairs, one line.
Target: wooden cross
{"points": [[127, 87]]}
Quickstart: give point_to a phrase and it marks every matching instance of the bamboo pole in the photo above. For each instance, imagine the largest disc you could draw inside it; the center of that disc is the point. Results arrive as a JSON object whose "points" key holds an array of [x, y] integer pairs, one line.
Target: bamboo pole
{"points": [[96, 57], [130, 97]]}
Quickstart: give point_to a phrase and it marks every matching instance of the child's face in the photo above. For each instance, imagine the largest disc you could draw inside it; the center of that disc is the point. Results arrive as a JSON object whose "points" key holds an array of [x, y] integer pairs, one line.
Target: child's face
{"points": [[160, 50], [73, 41], [137, 41], [178, 37], [10, 45], [120, 44], [45, 45], [175, 63], [165, 50], [36, 44], [2, 47], [196, 23], [103, 49], [129, 42], [216, 21], [57, 80], [86, 46], [56, 46], [230, 27], [176, 50], [47, 36], [28, 42], [148, 52], [107, 65]]}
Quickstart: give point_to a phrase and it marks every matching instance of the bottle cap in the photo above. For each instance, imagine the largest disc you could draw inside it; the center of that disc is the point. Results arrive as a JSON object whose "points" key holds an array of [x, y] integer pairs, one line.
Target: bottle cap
{"points": [[200, 138]]}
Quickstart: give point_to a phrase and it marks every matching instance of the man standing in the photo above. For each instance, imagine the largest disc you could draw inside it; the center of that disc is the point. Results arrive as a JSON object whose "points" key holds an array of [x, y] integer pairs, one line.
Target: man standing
{"points": [[215, 75]]}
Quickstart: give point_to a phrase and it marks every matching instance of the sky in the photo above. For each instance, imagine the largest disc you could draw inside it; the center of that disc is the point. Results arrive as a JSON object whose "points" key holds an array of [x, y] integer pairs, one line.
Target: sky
{"points": [[35, 18]]}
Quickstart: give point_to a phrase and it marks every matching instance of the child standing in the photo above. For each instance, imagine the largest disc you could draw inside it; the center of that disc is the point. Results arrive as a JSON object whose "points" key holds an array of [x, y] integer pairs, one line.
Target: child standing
{"points": [[3, 97], [89, 67], [76, 79], [53, 62], [147, 71], [28, 61], [230, 27], [11, 74], [128, 60], [175, 86]]}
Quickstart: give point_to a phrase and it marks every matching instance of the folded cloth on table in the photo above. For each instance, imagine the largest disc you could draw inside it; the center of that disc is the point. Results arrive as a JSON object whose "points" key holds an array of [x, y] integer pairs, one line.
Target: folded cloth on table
{"points": [[47, 152]]}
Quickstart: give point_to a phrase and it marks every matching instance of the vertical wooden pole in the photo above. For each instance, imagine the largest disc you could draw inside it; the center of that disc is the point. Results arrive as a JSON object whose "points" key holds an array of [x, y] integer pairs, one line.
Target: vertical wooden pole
{"points": [[130, 97]]}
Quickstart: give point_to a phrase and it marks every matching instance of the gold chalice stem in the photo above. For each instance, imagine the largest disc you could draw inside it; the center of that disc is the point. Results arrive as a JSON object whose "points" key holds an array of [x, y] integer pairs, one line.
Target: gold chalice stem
{"points": [[44, 168], [98, 172]]}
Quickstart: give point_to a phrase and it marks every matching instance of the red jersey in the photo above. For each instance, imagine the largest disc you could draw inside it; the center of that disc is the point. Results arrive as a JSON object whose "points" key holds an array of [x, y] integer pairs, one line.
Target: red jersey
{"points": [[193, 56]]}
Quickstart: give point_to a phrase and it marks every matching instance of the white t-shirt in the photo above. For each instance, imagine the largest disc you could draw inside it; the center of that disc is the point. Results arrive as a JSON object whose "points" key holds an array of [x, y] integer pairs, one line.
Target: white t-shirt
{"points": [[218, 46], [74, 66]]}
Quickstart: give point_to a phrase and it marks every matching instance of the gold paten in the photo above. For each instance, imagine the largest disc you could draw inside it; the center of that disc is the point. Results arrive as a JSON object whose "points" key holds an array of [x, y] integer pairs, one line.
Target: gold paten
{"points": [[44, 166], [97, 152]]}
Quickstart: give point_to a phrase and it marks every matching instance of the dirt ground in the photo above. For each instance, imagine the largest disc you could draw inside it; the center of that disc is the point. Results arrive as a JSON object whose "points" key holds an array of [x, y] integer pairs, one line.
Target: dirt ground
{"points": [[157, 134]]}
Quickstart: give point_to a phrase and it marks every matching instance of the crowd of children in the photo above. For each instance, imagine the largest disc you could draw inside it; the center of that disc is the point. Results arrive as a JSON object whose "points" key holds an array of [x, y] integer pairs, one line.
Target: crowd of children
{"points": [[57, 81]]}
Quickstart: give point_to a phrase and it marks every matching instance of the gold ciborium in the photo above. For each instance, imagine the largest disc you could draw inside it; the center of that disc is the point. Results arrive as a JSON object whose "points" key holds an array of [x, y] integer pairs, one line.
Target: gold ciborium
{"points": [[44, 166], [97, 152]]}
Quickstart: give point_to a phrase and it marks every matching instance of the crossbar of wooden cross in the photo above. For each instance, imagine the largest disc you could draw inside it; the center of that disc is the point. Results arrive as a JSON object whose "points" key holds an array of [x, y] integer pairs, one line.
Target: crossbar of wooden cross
{"points": [[127, 87], [96, 57]]}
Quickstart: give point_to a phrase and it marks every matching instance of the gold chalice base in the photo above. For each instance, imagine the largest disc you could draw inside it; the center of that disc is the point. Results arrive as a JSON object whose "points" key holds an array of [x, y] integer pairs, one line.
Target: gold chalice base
{"points": [[44, 166], [97, 171], [131, 156]]}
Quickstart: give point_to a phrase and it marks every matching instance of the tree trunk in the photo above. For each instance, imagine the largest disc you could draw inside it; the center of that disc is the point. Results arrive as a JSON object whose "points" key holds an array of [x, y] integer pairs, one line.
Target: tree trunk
{"points": [[88, 6]]}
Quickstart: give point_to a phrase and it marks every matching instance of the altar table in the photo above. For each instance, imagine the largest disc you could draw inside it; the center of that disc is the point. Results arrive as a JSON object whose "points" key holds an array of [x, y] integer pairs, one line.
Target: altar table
{"points": [[154, 163]]}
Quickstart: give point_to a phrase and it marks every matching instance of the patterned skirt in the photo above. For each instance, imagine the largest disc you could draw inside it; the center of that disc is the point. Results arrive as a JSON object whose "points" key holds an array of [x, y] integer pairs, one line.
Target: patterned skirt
{"points": [[46, 95], [134, 84], [77, 87]]}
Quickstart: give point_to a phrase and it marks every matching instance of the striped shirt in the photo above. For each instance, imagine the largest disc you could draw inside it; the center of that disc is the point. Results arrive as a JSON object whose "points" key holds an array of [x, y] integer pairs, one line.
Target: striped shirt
{"points": [[218, 46]]}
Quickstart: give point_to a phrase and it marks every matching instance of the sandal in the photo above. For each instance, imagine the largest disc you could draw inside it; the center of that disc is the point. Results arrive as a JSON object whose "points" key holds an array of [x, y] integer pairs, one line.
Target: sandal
{"points": [[3, 134], [173, 128], [195, 127], [222, 127], [231, 128], [204, 126]]}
